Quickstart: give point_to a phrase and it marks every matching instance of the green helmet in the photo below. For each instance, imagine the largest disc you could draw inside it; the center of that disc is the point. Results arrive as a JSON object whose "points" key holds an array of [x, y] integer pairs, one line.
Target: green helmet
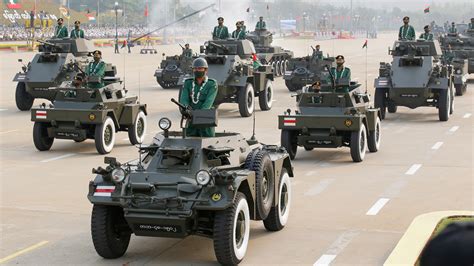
{"points": [[200, 62]]}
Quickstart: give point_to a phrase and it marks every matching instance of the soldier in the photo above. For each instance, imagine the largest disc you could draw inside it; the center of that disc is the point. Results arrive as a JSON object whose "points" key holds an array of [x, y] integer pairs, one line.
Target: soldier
{"points": [[244, 28], [61, 30], [448, 55], [261, 25], [427, 35], [77, 33], [238, 34], [220, 31], [96, 69], [116, 45], [317, 54], [453, 29], [471, 25], [187, 52], [199, 93], [406, 32], [340, 72]]}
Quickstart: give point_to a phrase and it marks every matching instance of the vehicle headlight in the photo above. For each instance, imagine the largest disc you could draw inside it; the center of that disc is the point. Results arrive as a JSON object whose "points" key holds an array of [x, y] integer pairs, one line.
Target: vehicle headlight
{"points": [[118, 175], [458, 71], [203, 177], [164, 123]]}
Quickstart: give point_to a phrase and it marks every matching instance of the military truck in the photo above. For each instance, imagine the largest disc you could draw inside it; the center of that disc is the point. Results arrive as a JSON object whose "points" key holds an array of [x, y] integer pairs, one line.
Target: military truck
{"points": [[79, 113], [231, 64], [182, 186], [53, 64], [330, 118], [172, 69], [276, 56], [416, 77], [306, 70]]}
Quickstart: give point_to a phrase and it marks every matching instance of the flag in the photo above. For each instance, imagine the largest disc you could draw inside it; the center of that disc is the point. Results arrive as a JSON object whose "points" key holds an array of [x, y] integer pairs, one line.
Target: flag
{"points": [[248, 9], [365, 44], [146, 10], [256, 64], [12, 4], [65, 12], [90, 17], [427, 10]]}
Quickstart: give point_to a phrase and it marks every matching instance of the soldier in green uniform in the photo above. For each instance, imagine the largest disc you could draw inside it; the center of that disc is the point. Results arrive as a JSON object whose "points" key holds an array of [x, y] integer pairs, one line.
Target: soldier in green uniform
{"points": [[220, 31], [317, 53], [244, 28], [187, 52], [406, 32], [60, 31], [261, 25], [239, 33], [96, 69], [427, 35], [448, 55], [453, 29], [340, 72], [199, 93], [77, 33], [471, 25]]}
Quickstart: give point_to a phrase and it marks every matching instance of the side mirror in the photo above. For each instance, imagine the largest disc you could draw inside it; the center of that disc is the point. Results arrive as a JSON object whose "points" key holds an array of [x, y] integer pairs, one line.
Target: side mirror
{"points": [[20, 60], [110, 160]]}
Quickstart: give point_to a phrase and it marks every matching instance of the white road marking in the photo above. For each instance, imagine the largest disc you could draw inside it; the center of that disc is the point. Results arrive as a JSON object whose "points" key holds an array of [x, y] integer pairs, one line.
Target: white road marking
{"points": [[377, 206], [320, 187], [467, 115], [413, 169], [58, 158], [1, 110], [453, 129], [336, 247], [23, 251], [437, 146], [10, 131], [324, 260]]}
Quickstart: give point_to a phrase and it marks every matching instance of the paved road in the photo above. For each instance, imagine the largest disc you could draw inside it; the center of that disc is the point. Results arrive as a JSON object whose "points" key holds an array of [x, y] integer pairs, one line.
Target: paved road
{"points": [[342, 212]]}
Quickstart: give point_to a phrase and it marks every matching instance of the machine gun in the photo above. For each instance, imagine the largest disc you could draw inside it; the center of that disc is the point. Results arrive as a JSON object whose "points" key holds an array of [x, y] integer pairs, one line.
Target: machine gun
{"points": [[220, 46], [204, 118], [53, 45]]}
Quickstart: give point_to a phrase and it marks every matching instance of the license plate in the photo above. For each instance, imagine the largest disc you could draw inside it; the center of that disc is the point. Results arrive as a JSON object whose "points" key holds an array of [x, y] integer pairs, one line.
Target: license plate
{"points": [[67, 134], [158, 228]]}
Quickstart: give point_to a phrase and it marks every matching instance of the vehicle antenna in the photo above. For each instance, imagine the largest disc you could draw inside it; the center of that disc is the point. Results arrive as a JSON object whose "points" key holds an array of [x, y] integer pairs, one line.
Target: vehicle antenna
{"points": [[253, 138], [124, 72]]}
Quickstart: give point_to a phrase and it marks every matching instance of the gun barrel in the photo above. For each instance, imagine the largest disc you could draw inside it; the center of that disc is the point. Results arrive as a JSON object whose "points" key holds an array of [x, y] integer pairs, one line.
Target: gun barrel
{"points": [[177, 103]]}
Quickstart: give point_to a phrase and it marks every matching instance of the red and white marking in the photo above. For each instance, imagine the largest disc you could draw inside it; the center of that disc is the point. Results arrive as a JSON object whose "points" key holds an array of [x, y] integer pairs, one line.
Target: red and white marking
{"points": [[41, 114], [104, 191], [289, 121]]}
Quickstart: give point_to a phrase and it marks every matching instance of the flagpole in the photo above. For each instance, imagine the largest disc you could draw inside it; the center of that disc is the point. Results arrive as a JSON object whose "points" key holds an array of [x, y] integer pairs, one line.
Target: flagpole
{"points": [[366, 67], [98, 9]]}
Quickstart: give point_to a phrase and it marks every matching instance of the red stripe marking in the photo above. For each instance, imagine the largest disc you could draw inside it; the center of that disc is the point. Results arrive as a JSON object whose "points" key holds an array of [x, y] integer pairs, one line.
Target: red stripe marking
{"points": [[107, 190]]}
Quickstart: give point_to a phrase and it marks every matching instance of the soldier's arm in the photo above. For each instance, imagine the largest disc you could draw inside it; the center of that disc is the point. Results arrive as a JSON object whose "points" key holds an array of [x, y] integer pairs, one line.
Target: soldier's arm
{"points": [[66, 32], [348, 74], [82, 34], [184, 99], [400, 33], [211, 96]]}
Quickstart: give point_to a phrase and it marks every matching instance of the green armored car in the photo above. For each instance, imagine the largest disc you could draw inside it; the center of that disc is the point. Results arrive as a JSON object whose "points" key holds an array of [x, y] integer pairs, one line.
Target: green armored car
{"points": [[49, 68], [79, 113], [182, 186], [329, 118], [416, 77], [171, 69], [306, 70]]}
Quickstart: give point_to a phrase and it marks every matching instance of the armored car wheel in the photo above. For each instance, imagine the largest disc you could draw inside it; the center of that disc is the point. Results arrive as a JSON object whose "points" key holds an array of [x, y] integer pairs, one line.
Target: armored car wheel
{"points": [[375, 137], [444, 105], [136, 132], [265, 98], [290, 142], [380, 101], [391, 107], [278, 216], [23, 99], [290, 86], [246, 100], [110, 231], [261, 164], [460, 89], [358, 144], [105, 136], [40, 137], [232, 232]]}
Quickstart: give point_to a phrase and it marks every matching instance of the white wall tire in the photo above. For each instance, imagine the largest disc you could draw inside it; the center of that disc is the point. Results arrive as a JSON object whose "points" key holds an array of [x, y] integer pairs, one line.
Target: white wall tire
{"points": [[278, 217], [375, 137], [265, 98], [246, 100], [136, 132], [105, 136], [358, 144]]}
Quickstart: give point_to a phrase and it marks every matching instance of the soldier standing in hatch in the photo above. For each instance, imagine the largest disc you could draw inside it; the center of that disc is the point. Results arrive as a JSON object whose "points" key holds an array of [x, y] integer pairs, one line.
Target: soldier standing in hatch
{"points": [[427, 35], [453, 29], [406, 32], [317, 54], [60, 31], [96, 68], [77, 33], [239, 33], [448, 55], [261, 25], [220, 31], [199, 93], [471, 25], [187, 52], [340, 72]]}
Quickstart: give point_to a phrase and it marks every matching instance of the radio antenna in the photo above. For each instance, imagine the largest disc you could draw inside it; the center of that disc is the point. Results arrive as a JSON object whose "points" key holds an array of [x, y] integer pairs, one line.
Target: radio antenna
{"points": [[253, 138]]}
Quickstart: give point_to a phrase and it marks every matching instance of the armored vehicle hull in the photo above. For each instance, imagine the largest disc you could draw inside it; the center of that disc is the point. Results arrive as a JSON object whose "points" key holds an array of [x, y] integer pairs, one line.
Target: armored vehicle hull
{"points": [[306, 70], [172, 69]]}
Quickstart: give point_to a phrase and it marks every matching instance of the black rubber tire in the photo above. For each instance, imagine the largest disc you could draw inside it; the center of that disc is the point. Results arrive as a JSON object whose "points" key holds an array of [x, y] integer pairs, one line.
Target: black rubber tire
{"points": [[289, 141], [306, 148], [391, 107], [444, 105], [40, 136], [23, 99], [460, 89], [110, 231], [246, 95], [291, 87], [358, 144], [278, 216], [380, 101], [79, 140], [137, 135], [261, 164], [224, 232], [265, 98], [99, 134], [375, 137]]}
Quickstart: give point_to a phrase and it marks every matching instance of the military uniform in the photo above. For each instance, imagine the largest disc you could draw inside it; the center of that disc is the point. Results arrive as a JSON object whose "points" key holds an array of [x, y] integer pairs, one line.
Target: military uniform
{"points": [[220, 33], [345, 72], [471, 26], [77, 34], [448, 56], [453, 29], [406, 33], [426, 36], [261, 25], [60, 32], [187, 53], [317, 55], [96, 69], [199, 97], [239, 34]]}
